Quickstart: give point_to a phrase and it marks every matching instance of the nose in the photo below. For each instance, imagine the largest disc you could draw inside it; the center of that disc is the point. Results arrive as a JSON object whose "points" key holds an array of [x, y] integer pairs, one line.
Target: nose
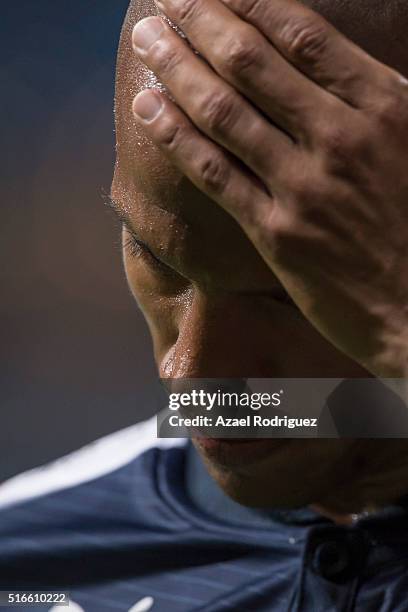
{"points": [[215, 340]]}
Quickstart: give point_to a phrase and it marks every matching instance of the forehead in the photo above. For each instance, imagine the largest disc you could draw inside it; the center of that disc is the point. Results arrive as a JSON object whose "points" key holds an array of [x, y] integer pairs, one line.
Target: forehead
{"points": [[164, 205], [377, 26]]}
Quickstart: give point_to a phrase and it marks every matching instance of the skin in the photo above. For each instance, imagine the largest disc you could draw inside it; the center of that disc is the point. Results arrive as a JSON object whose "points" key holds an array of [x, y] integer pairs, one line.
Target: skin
{"points": [[247, 269]]}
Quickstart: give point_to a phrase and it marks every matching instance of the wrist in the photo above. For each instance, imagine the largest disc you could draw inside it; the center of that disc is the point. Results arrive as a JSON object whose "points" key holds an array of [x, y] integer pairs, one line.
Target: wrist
{"points": [[391, 360], [391, 363]]}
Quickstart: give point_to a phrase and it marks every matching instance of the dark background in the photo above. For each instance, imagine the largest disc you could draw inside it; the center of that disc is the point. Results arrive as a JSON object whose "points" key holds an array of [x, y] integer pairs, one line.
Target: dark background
{"points": [[76, 360]]}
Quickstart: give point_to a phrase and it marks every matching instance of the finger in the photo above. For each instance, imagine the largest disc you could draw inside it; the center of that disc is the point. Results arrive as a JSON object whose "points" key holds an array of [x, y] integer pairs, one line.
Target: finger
{"points": [[213, 105], [247, 60], [209, 167], [316, 48]]}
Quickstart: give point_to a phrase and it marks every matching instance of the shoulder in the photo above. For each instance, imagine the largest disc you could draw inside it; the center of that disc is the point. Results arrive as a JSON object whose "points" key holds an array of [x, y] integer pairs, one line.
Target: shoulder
{"points": [[89, 463]]}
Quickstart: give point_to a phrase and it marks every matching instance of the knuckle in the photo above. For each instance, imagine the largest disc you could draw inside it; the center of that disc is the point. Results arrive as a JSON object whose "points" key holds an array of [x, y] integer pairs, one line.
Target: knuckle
{"points": [[169, 135], [304, 39], [164, 58], [246, 8], [185, 11], [214, 174], [241, 53], [219, 112]]}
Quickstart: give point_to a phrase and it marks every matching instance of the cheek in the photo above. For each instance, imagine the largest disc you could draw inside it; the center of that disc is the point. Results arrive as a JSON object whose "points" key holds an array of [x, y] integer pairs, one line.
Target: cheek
{"points": [[160, 300], [252, 337]]}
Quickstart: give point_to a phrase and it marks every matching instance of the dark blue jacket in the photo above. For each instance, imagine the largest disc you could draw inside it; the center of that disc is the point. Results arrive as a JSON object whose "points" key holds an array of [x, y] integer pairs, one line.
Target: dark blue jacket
{"points": [[135, 523]]}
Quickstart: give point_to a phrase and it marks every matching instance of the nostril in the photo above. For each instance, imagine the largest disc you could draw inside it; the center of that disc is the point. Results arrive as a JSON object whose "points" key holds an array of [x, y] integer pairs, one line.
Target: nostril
{"points": [[168, 363], [179, 362]]}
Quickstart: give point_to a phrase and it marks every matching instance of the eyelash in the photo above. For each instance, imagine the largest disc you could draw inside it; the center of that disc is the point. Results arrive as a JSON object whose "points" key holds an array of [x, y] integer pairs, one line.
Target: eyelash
{"points": [[136, 248], [132, 245]]}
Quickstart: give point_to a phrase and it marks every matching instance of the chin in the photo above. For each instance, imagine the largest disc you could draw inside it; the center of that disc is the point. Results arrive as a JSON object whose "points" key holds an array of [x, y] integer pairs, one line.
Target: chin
{"points": [[254, 491], [294, 474]]}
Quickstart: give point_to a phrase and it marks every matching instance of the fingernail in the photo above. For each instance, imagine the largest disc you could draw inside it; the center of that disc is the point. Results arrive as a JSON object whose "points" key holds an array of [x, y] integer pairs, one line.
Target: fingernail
{"points": [[147, 105], [146, 32]]}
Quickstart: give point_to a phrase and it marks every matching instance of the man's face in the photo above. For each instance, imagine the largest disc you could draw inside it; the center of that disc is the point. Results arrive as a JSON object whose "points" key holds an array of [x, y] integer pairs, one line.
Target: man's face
{"points": [[214, 308]]}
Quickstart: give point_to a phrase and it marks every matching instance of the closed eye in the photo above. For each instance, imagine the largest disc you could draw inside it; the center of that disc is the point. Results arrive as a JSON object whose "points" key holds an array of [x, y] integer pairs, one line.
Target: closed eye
{"points": [[132, 244], [134, 247]]}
